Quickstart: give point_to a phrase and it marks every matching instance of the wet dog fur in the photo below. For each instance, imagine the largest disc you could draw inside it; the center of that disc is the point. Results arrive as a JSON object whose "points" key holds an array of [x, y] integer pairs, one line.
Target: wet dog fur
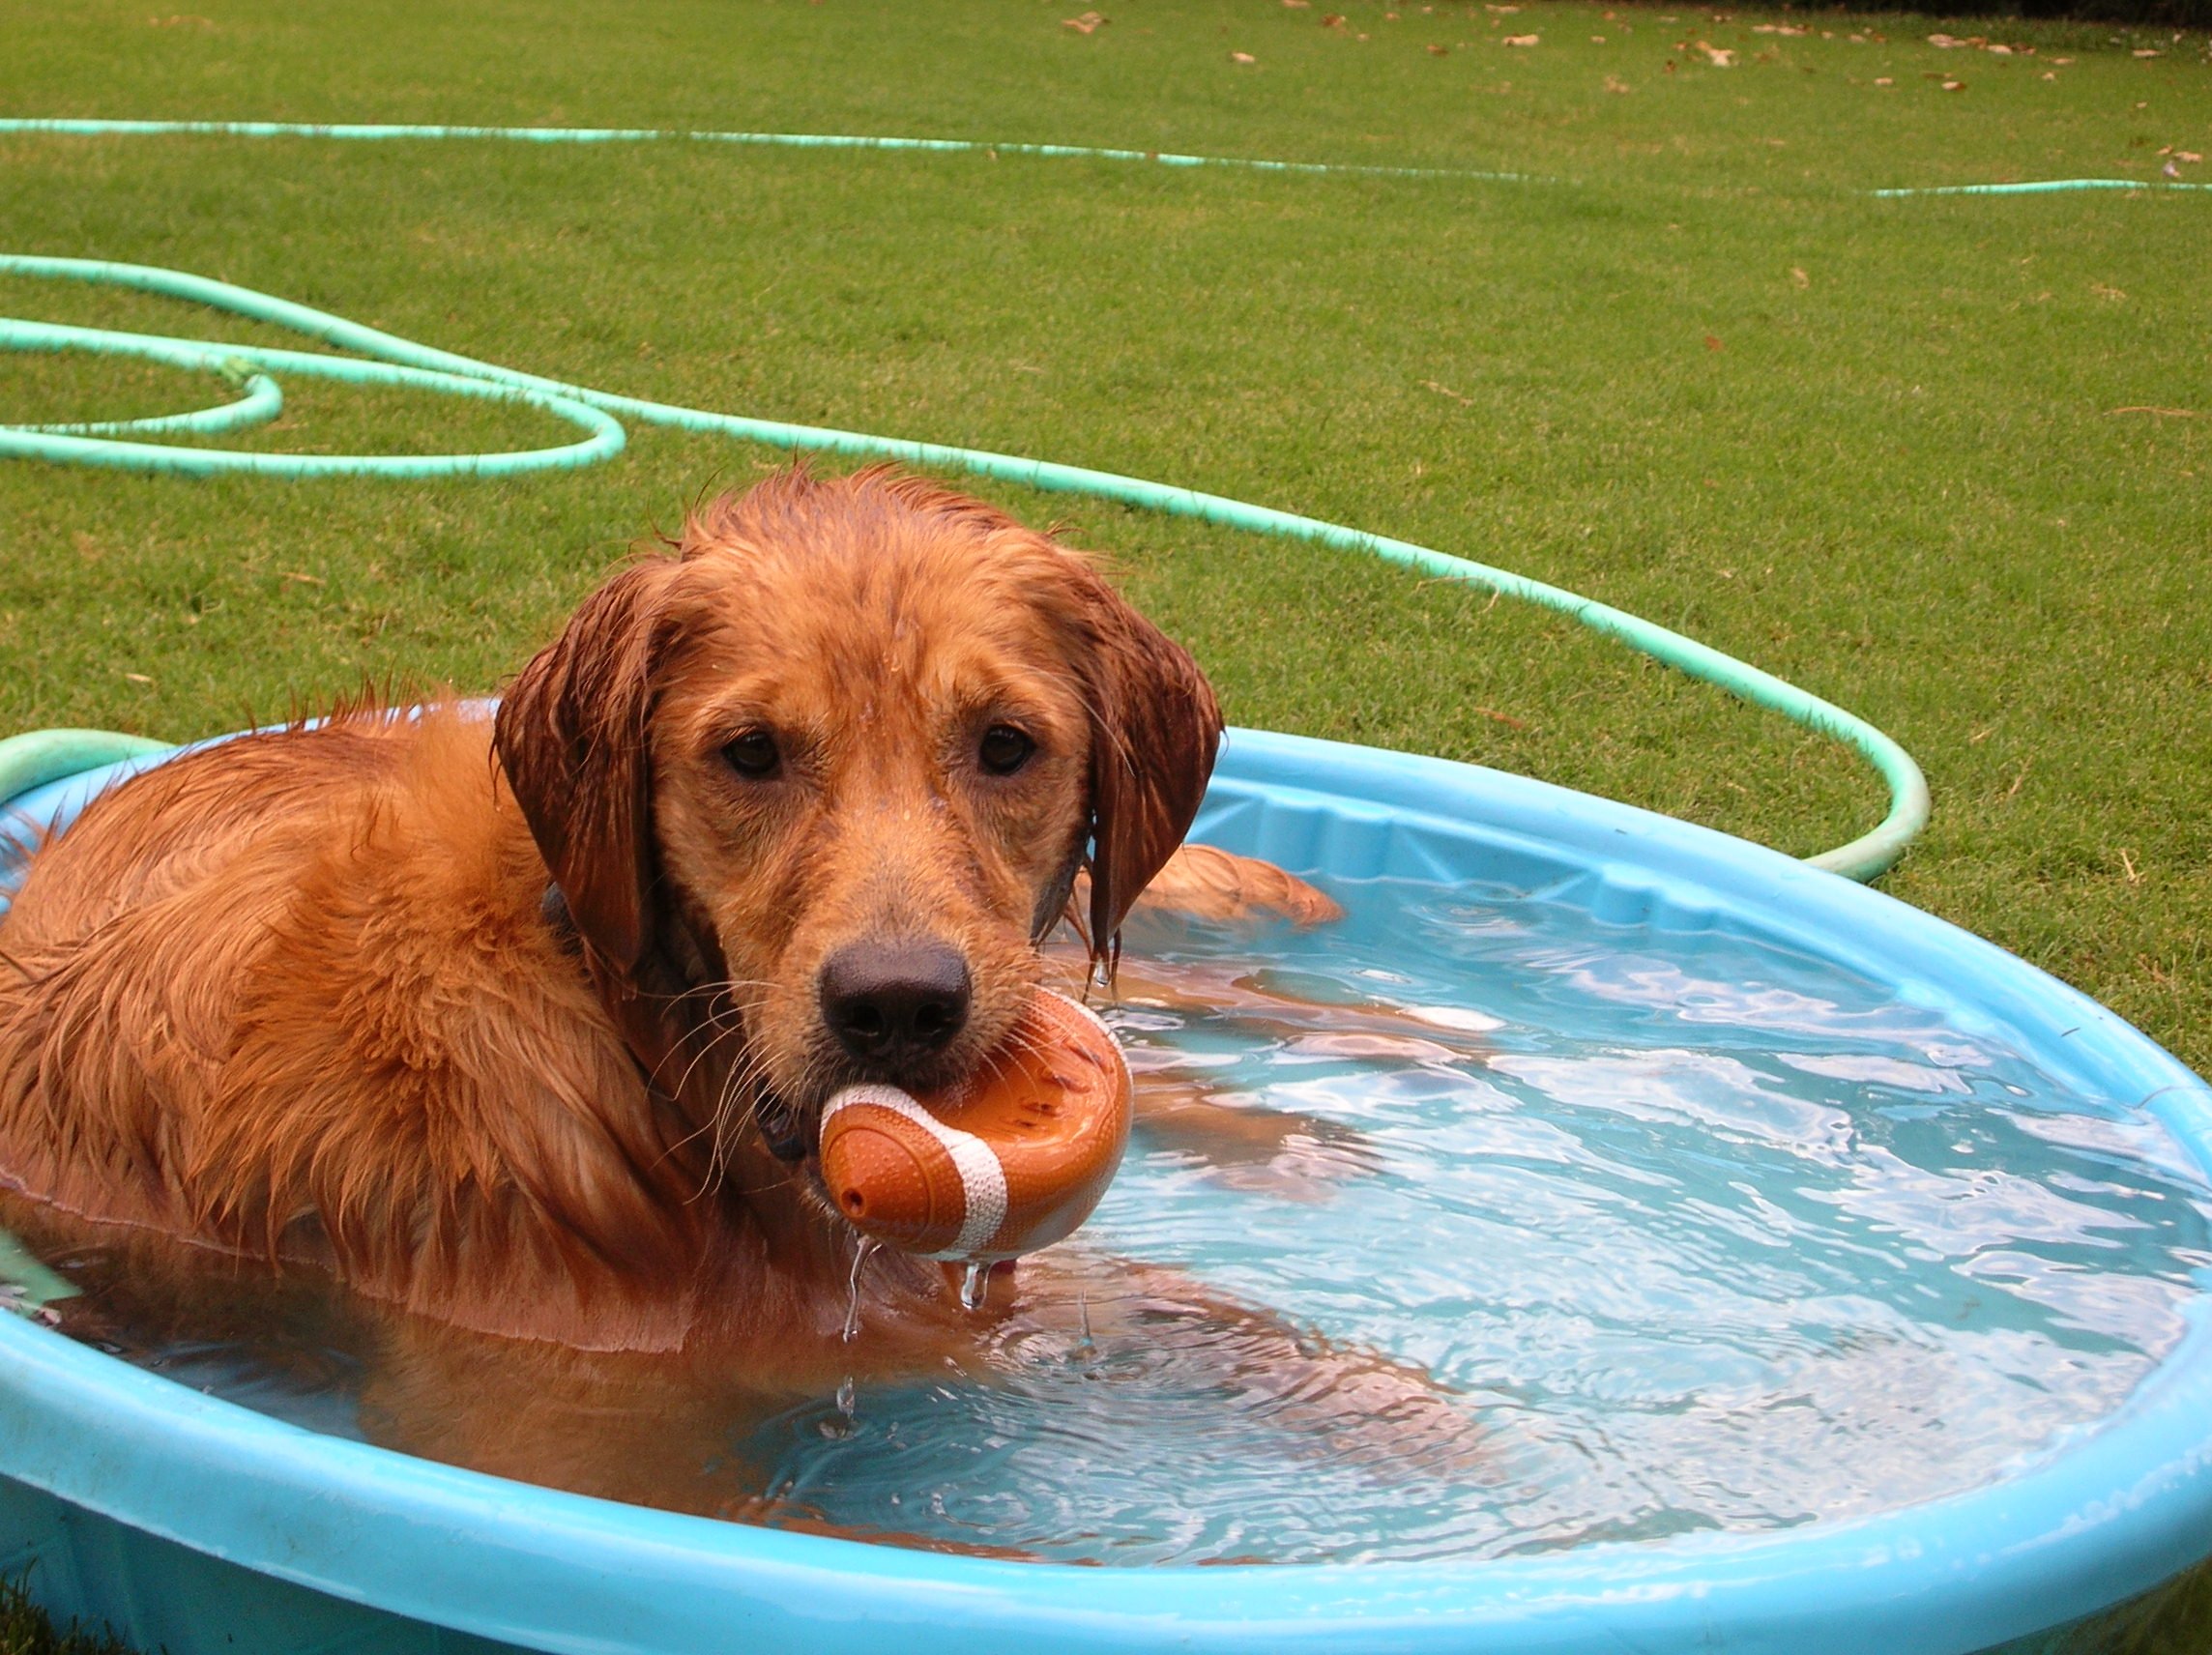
{"points": [[484, 1015]]}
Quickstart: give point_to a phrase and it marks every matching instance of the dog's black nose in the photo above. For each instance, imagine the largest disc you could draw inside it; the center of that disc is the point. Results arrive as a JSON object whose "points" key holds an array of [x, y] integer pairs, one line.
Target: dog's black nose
{"points": [[892, 1004]]}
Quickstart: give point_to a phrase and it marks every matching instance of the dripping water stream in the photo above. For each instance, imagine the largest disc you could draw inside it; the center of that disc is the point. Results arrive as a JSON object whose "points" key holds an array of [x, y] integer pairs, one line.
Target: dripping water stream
{"points": [[862, 1250]]}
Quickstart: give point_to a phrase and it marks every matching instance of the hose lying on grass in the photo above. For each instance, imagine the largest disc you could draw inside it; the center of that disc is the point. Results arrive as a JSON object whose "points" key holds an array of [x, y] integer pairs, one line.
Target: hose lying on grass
{"points": [[393, 360], [380, 132]]}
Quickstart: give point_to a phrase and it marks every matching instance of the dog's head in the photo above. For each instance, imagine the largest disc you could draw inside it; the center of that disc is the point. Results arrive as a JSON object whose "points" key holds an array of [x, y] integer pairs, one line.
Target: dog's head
{"points": [[830, 772]]}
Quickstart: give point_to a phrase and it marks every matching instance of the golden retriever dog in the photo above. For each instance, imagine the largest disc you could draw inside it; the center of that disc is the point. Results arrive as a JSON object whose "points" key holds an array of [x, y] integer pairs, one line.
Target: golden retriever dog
{"points": [[519, 1026]]}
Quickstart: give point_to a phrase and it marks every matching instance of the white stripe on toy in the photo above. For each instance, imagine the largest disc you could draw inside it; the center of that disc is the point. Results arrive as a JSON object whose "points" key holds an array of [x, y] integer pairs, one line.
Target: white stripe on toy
{"points": [[982, 1180]]}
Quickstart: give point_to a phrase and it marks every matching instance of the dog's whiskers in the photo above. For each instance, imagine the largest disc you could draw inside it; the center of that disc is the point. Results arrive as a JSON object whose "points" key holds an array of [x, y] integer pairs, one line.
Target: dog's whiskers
{"points": [[714, 1019], [719, 1124], [708, 988], [725, 1025]]}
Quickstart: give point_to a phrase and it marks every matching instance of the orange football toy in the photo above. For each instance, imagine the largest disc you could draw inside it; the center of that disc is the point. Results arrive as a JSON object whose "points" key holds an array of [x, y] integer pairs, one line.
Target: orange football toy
{"points": [[1007, 1163]]}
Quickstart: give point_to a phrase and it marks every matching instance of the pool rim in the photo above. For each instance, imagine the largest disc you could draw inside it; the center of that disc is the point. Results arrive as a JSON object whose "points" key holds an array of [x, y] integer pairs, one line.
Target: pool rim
{"points": [[2107, 1512]]}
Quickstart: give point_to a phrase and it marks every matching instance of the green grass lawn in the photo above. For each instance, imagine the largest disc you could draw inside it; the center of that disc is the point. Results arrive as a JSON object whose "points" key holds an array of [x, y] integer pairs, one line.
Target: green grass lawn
{"points": [[24, 1630], [1694, 370], [1891, 449]]}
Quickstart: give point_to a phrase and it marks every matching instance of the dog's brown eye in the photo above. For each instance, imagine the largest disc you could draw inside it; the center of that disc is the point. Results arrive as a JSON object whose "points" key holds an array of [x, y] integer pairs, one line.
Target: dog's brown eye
{"points": [[753, 755], [1004, 749]]}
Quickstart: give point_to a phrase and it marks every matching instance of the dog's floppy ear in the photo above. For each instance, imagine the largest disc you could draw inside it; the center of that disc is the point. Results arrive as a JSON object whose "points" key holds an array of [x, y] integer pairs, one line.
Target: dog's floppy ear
{"points": [[1156, 728], [571, 737]]}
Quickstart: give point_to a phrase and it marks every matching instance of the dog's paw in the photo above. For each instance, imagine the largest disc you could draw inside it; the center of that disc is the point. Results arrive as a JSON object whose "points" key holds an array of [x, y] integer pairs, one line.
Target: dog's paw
{"points": [[1285, 1153], [1217, 887]]}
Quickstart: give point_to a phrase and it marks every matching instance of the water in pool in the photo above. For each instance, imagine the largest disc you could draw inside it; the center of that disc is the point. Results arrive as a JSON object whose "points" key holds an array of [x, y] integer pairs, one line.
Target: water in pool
{"points": [[1701, 1232]]}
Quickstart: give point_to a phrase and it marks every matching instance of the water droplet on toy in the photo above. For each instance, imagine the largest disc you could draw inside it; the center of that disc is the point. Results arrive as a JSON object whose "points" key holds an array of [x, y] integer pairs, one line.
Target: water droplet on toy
{"points": [[1082, 1318], [972, 1285], [845, 1398]]}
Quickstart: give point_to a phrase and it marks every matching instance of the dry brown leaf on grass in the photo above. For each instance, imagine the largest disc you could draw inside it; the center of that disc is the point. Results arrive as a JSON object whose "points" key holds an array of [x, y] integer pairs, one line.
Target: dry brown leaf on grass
{"points": [[1524, 39], [1713, 342], [1333, 20], [1243, 57], [1090, 23], [2145, 51], [1447, 391], [1720, 57], [1613, 83], [1798, 278], [1883, 80]]}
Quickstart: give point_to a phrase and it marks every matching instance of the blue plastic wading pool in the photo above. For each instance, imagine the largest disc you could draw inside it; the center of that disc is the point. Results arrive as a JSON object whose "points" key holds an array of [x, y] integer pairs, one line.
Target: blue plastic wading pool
{"points": [[194, 1524]]}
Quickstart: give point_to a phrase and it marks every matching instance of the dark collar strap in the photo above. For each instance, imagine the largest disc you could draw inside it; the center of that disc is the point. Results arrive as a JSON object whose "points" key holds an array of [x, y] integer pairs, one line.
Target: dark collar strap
{"points": [[554, 908]]}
